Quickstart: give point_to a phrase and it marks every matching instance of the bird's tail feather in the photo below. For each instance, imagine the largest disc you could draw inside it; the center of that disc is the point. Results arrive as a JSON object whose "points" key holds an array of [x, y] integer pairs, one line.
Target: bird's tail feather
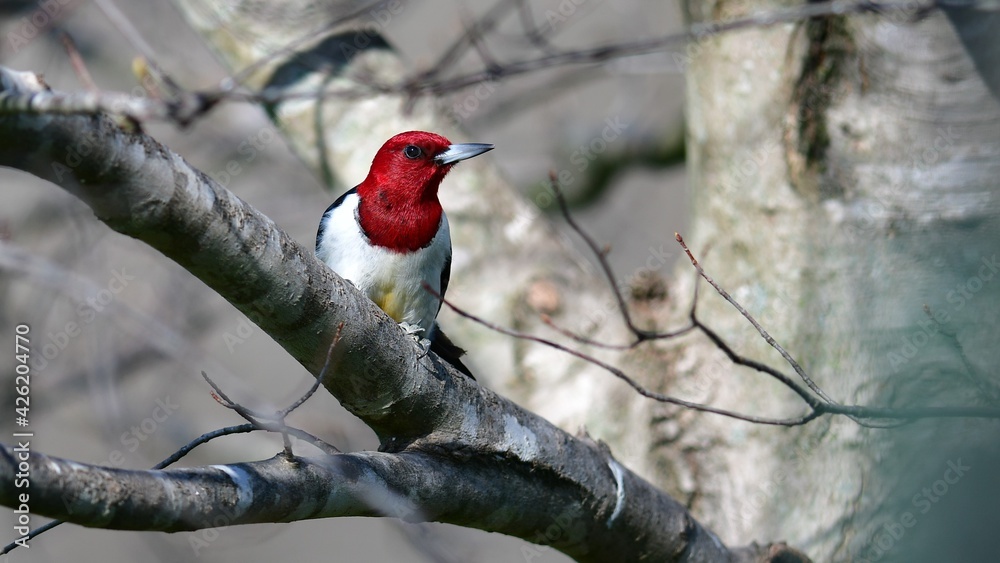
{"points": [[449, 351]]}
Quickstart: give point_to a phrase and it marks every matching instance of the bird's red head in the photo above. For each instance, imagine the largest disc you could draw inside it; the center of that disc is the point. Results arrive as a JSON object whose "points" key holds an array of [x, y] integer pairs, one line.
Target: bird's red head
{"points": [[399, 207], [405, 164]]}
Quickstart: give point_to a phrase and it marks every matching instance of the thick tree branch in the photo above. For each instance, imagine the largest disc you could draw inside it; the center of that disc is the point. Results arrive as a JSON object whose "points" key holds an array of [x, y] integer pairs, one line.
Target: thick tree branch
{"points": [[413, 486]]}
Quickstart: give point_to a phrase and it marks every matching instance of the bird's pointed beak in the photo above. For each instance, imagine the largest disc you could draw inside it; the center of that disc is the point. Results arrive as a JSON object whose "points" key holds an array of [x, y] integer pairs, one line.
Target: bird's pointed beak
{"points": [[461, 151]]}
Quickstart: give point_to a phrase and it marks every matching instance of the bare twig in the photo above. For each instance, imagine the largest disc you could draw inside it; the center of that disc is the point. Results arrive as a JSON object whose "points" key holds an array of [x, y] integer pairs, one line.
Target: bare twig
{"points": [[79, 67], [203, 439], [547, 320], [760, 330], [620, 374], [478, 43], [31, 535], [133, 36], [458, 48], [753, 364], [611, 51], [888, 417], [319, 380], [531, 31], [601, 255], [276, 422], [986, 389]]}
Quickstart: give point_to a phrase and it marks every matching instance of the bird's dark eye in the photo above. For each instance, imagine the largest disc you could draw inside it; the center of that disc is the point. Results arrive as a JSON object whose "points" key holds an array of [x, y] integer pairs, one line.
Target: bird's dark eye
{"points": [[412, 151]]}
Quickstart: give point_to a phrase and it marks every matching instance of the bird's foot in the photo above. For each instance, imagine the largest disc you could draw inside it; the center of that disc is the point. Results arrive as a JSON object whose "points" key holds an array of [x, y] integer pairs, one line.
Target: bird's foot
{"points": [[411, 329], [414, 332]]}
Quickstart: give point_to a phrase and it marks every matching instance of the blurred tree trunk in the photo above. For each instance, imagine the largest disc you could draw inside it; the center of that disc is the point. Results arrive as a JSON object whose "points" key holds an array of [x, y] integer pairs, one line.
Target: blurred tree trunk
{"points": [[845, 174]]}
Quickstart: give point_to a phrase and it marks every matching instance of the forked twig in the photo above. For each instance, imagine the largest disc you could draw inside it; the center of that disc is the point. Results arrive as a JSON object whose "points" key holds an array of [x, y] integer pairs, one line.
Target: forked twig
{"points": [[547, 320], [601, 255], [760, 330], [986, 390], [276, 422], [619, 373], [888, 417]]}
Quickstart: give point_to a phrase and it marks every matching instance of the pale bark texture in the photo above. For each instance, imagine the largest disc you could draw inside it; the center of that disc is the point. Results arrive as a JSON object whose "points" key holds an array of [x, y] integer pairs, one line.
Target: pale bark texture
{"points": [[845, 175]]}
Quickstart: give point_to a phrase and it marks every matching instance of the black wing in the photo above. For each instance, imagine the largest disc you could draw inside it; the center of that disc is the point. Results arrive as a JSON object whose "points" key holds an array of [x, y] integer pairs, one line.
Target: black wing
{"points": [[442, 345], [334, 205], [445, 276]]}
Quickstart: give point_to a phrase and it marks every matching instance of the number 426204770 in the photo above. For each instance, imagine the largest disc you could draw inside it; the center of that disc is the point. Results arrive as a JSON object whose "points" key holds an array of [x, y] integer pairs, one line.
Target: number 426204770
{"points": [[22, 382]]}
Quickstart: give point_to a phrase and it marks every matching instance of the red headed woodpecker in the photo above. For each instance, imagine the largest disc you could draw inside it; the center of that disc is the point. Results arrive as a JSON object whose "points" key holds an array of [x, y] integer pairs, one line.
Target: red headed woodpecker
{"points": [[389, 235]]}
